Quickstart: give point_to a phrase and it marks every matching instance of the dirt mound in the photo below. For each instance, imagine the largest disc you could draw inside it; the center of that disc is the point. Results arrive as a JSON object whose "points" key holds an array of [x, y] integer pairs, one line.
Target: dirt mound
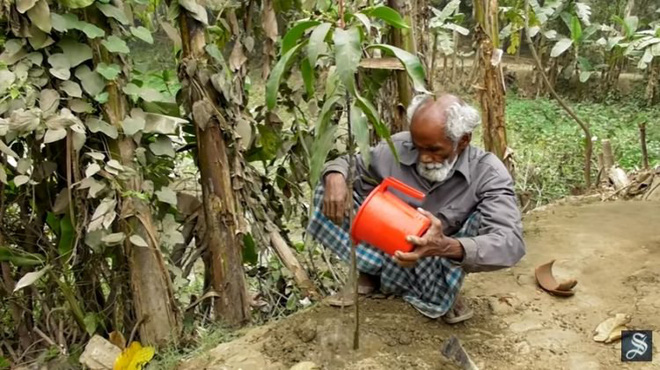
{"points": [[612, 249]]}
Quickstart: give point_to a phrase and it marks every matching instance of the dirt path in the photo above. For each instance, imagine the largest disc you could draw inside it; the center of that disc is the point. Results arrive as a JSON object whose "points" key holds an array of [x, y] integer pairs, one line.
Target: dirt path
{"points": [[612, 249]]}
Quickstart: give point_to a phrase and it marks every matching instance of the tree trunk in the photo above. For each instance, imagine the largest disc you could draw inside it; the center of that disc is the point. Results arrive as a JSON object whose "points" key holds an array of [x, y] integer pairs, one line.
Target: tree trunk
{"points": [[491, 92], [220, 208], [403, 39], [652, 90], [153, 295]]}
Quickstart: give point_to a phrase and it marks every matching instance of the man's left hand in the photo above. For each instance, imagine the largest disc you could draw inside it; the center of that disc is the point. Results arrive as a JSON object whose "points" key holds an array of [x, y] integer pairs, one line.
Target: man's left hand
{"points": [[432, 243]]}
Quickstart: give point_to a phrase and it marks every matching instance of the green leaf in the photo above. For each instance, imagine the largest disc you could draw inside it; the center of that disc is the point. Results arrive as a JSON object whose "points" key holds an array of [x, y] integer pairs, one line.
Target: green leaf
{"points": [[324, 137], [196, 10], [347, 54], [360, 129], [116, 45], [387, 14], [53, 222], [167, 195], [91, 323], [132, 125], [411, 63], [71, 88], [90, 30], [143, 34], [560, 47], [308, 77], [275, 77], [92, 82], [39, 14], [109, 72], [294, 34], [96, 125], [53, 135], [365, 21], [67, 237], [250, 255], [77, 4], [112, 11], [19, 258], [62, 23], [75, 52], [576, 29], [60, 66], [24, 5], [162, 146], [317, 43], [372, 113]]}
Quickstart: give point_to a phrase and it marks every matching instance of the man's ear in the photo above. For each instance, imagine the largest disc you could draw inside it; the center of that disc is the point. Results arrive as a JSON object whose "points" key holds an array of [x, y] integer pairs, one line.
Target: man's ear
{"points": [[464, 142]]}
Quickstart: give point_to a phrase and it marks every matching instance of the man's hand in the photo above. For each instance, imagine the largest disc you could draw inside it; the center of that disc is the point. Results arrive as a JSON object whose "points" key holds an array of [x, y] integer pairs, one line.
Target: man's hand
{"points": [[335, 197], [432, 243]]}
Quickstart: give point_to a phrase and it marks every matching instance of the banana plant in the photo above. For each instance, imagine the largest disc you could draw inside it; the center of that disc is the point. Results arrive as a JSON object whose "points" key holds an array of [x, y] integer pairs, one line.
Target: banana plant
{"points": [[336, 45], [445, 23], [574, 16]]}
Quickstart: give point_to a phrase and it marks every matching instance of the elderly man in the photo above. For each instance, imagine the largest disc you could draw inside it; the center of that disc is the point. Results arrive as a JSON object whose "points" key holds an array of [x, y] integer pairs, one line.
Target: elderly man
{"points": [[475, 222]]}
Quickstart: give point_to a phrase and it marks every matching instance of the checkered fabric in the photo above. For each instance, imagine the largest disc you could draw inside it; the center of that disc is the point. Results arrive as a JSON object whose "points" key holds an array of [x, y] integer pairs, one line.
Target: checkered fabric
{"points": [[431, 286]]}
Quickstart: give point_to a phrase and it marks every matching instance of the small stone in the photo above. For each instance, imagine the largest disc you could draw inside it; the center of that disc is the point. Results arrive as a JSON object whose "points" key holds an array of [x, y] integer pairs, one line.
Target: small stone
{"points": [[405, 339], [523, 348], [305, 365]]}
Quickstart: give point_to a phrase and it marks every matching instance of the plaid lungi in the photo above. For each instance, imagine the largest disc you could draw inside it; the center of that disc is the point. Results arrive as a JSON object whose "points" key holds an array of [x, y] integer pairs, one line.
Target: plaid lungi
{"points": [[431, 286]]}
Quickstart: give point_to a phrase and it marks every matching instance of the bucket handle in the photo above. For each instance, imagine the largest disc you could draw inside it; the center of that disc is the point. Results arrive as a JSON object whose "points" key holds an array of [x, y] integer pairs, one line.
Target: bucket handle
{"points": [[400, 186]]}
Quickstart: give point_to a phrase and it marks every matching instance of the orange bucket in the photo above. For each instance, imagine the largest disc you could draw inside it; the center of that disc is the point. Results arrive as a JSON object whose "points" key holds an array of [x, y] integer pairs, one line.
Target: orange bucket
{"points": [[384, 220]]}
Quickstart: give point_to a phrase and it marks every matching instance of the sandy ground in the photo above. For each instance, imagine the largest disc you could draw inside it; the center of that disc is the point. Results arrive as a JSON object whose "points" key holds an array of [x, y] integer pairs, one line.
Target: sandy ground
{"points": [[612, 249]]}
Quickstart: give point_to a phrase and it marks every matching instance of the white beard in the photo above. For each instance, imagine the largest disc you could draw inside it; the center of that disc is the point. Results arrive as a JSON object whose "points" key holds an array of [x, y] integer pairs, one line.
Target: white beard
{"points": [[436, 172]]}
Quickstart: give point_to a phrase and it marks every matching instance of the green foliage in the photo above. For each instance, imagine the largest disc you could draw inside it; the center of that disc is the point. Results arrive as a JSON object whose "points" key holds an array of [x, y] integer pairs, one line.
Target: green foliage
{"points": [[548, 145], [387, 14]]}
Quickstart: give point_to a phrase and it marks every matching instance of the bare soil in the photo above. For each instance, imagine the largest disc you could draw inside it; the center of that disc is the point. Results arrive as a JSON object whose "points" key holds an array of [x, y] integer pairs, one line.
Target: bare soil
{"points": [[612, 249]]}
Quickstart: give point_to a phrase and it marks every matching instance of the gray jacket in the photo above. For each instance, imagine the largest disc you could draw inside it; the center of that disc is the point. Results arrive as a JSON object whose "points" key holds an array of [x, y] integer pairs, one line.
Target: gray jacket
{"points": [[478, 182]]}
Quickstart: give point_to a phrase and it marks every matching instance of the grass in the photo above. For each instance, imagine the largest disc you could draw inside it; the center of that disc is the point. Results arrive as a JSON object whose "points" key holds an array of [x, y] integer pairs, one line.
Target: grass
{"points": [[549, 146], [207, 338]]}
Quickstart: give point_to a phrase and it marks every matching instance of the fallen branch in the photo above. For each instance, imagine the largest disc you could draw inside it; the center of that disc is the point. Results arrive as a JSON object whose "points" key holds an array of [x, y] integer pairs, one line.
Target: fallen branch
{"points": [[583, 125], [292, 264]]}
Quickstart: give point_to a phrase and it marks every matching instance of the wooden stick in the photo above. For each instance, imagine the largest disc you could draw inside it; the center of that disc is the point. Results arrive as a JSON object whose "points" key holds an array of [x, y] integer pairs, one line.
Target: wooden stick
{"points": [[642, 138], [292, 264], [608, 156], [351, 215]]}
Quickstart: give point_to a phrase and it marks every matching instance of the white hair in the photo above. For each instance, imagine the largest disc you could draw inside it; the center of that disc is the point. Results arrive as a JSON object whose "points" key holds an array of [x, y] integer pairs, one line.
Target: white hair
{"points": [[462, 118]]}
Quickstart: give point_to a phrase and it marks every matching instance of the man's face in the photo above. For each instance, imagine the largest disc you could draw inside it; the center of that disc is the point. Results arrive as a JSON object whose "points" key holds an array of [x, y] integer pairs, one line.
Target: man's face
{"points": [[436, 152]]}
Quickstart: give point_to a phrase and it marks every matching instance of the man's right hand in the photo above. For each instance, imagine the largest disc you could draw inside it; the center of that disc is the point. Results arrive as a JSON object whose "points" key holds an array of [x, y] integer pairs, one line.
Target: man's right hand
{"points": [[335, 198]]}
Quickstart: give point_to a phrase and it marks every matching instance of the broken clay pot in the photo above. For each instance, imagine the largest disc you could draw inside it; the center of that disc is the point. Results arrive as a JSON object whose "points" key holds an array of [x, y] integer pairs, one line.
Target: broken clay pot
{"points": [[547, 281]]}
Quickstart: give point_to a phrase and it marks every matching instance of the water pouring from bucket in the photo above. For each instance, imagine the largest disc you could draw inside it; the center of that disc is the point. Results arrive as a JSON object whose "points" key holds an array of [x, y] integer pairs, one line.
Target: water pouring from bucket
{"points": [[384, 220]]}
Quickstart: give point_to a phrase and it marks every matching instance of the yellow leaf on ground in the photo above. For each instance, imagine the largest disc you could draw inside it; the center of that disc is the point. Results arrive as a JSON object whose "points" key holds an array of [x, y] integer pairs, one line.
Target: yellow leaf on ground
{"points": [[134, 357]]}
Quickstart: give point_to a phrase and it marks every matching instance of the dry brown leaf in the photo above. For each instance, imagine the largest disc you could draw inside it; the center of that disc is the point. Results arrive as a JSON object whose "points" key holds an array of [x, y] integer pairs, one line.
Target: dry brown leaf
{"points": [[269, 21], [202, 112], [237, 58], [172, 33], [118, 340]]}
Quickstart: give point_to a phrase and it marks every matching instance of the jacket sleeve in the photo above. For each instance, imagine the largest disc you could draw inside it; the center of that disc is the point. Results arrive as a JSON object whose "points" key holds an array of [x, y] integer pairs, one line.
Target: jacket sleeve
{"points": [[366, 177], [499, 243]]}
